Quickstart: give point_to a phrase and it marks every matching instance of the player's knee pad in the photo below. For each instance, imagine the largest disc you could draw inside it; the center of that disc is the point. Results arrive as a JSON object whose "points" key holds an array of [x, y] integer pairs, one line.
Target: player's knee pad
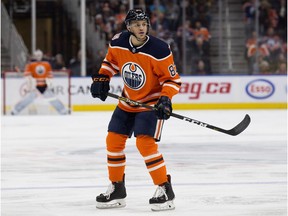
{"points": [[115, 142], [146, 145]]}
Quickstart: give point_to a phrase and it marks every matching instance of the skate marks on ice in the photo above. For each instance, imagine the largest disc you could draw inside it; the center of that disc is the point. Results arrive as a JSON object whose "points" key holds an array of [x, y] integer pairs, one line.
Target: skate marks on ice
{"points": [[60, 167], [202, 200]]}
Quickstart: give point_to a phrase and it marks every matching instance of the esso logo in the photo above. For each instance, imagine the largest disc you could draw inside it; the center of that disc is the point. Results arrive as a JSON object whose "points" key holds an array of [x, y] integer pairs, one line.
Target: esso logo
{"points": [[260, 89]]}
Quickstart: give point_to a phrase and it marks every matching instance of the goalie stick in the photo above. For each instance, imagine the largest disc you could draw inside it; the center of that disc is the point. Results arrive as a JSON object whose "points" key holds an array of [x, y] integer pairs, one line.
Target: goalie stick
{"points": [[239, 128]]}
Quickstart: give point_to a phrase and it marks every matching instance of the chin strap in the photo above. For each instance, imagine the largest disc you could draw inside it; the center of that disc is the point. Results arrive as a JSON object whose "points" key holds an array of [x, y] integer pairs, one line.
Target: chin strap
{"points": [[131, 33]]}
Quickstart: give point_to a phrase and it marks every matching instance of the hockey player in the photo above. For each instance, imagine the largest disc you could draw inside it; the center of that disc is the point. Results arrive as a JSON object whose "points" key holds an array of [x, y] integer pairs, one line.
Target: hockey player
{"points": [[38, 76], [149, 74]]}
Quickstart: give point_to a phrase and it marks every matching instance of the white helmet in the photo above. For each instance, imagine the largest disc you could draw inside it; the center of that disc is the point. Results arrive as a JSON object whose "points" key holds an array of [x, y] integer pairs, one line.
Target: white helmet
{"points": [[38, 55]]}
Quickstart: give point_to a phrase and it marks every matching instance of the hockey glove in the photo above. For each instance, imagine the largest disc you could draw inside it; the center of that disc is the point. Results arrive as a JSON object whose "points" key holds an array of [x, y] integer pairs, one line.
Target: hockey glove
{"points": [[164, 108], [100, 86], [31, 83]]}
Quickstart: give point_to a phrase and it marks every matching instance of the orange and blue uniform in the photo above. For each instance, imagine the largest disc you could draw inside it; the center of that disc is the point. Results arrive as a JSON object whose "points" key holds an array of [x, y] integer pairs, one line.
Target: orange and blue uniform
{"points": [[148, 72], [40, 71]]}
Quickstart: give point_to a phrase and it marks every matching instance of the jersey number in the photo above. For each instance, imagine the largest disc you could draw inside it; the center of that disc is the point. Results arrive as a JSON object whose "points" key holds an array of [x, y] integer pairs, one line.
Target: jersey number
{"points": [[172, 70]]}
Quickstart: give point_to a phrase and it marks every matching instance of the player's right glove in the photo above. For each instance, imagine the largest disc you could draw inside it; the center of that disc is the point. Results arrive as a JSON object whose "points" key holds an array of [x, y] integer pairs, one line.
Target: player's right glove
{"points": [[164, 108], [100, 86]]}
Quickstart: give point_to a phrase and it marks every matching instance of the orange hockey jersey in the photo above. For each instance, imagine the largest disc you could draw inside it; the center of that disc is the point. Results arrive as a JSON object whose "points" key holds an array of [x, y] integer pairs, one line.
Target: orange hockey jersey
{"points": [[40, 70], [148, 71]]}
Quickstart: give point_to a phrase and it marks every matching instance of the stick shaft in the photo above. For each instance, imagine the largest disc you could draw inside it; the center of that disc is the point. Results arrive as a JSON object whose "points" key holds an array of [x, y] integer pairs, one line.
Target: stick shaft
{"points": [[233, 132]]}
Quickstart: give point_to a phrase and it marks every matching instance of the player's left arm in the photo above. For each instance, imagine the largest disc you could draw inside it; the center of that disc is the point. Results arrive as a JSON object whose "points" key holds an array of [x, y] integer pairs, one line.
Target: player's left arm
{"points": [[168, 77], [109, 66], [49, 75], [170, 82]]}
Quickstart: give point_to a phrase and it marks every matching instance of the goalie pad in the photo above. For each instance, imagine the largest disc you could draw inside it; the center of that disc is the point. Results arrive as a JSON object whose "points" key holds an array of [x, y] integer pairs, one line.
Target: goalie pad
{"points": [[55, 102], [25, 102]]}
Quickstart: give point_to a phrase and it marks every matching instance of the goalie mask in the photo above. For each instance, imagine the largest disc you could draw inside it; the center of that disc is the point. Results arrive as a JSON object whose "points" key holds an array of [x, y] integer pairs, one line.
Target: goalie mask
{"points": [[38, 55], [134, 15]]}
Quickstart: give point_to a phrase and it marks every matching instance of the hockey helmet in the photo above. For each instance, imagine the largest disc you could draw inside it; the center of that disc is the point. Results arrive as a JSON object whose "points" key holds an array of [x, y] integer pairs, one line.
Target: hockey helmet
{"points": [[136, 14]]}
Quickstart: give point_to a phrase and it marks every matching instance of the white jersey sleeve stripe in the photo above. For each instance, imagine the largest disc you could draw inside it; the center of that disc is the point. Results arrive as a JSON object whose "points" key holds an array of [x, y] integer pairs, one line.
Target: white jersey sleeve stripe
{"points": [[109, 69], [172, 86]]}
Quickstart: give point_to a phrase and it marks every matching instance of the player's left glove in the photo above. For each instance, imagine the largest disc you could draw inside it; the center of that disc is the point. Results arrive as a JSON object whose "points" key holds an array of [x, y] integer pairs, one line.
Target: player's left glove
{"points": [[164, 108], [100, 86]]}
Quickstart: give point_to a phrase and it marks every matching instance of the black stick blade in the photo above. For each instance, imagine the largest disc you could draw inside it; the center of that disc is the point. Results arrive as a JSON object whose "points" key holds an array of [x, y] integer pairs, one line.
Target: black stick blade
{"points": [[241, 126]]}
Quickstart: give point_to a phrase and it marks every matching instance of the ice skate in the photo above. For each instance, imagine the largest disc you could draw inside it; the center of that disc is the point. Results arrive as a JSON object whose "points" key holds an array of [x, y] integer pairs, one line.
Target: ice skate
{"points": [[114, 196], [163, 197]]}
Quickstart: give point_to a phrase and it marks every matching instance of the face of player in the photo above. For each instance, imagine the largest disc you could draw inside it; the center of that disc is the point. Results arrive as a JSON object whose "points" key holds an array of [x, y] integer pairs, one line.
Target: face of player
{"points": [[139, 28], [38, 55]]}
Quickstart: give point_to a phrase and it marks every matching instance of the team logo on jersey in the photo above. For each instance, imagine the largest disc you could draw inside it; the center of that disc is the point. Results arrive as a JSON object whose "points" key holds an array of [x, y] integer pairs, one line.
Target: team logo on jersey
{"points": [[133, 75], [40, 69]]}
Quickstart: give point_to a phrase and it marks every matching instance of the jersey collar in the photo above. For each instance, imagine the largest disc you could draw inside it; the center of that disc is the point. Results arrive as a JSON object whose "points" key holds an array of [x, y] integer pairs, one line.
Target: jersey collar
{"points": [[133, 48]]}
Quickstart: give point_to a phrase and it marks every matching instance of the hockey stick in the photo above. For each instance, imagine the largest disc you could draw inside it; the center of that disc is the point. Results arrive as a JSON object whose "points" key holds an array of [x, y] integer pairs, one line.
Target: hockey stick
{"points": [[239, 128]]}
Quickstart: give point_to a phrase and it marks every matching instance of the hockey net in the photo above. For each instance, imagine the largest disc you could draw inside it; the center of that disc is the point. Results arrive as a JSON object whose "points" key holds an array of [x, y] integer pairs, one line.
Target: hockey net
{"points": [[15, 87]]}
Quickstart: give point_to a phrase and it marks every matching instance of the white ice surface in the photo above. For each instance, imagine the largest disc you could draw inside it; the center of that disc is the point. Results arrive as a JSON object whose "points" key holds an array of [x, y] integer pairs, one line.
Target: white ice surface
{"points": [[56, 165]]}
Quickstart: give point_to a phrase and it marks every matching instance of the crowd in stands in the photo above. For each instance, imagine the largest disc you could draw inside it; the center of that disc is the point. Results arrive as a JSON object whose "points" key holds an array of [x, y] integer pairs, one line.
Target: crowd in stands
{"points": [[166, 23], [74, 65], [266, 49]]}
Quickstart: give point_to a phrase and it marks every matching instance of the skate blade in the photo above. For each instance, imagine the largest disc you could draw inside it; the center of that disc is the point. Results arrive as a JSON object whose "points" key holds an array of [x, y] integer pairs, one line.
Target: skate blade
{"points": [[169, 205], [118, 203]]}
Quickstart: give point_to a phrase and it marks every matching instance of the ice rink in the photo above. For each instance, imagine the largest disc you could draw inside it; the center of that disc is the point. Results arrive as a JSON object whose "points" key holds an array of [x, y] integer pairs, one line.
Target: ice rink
{"points": [[56, 165]]}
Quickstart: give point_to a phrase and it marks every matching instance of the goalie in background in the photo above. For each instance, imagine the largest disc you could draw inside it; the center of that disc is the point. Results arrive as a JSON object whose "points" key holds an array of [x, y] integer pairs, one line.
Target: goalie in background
{"points": [[38, 76]]}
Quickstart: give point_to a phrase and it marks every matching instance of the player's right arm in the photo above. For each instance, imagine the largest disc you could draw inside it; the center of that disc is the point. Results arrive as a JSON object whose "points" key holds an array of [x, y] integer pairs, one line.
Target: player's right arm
{"points": [[109, 65], [27, 71], [30, 81], [101, 80]]}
